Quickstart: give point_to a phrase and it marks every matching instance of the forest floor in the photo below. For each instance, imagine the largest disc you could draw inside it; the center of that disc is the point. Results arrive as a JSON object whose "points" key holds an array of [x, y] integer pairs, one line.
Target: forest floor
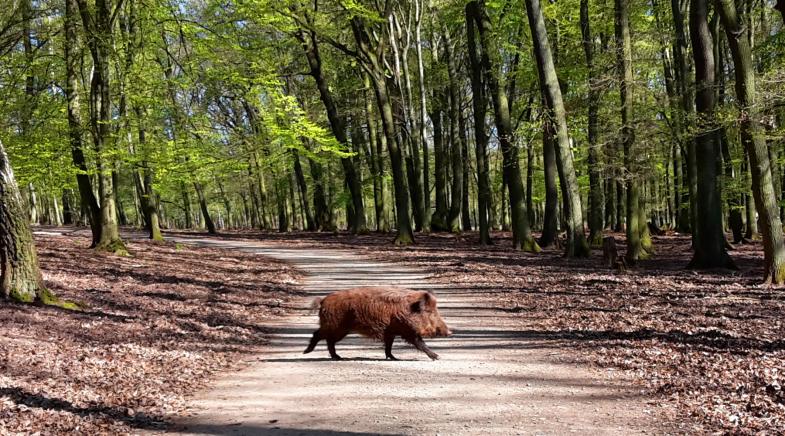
{"points": [[705, 348], [708, 345], [158, 326]]}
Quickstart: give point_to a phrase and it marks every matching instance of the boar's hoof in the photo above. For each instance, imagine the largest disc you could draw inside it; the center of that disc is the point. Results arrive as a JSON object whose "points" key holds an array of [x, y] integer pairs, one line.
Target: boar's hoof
{"points": [[391, 357], [433, 356]]}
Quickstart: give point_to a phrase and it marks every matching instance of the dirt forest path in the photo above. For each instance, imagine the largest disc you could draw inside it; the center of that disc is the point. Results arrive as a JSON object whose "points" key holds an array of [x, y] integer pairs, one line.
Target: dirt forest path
{"points": [[488, 381]]}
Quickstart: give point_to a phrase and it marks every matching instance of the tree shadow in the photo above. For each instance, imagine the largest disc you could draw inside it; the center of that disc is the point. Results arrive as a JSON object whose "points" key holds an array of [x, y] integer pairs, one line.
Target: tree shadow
{"points": [[240, 429], [137, 420]]}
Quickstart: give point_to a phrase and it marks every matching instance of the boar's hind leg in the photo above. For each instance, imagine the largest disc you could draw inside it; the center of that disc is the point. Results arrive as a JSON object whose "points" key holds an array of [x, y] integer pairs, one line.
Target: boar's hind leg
{"points": [[317, 336], [420, 345], [389, 338]]}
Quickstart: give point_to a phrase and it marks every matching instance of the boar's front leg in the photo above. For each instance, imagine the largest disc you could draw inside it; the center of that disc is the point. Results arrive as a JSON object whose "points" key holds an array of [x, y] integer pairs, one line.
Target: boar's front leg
{"points": [[389, 338], [331, 349], [420, 345]]}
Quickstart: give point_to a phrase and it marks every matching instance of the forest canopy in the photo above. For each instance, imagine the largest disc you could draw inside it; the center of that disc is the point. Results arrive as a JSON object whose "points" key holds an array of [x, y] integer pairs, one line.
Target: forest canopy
{"points": [[562, 119]]}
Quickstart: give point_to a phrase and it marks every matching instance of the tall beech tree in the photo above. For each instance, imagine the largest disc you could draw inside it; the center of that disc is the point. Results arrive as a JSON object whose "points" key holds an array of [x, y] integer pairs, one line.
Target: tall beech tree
{"points": [[709, 240], [309, 41], [595, 182], [753, 140], [522, 238], [637, 229], [577, 246], [98, 22], [479, 106], [371, 55]]}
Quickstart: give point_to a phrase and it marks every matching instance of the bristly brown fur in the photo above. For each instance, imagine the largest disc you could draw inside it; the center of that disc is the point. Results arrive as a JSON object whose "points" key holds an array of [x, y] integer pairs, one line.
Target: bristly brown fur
{"points": [[382, 314]]}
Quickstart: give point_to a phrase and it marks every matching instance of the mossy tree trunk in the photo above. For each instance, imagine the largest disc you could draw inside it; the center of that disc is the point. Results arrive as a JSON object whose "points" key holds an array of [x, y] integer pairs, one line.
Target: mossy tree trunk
{"points": [[20, 277]]}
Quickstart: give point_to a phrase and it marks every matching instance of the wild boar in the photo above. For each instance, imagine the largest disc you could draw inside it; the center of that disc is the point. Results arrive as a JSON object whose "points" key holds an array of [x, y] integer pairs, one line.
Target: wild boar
{"points": [[379, 313]]}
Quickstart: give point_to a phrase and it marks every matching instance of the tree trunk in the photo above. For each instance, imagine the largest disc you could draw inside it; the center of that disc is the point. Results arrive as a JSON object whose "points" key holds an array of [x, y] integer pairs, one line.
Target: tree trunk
{"points": [[298, 171], [521, 233], [466, 221], [402, 80], [595, 181], [550, 225], [72, 60], [321, 209], [375, 69], [338, 127], [457, 138], [709, 243], [576, 238], [186, 199], [439, 217], [208, 221], [754, 142], [635, 226], [20, 277], [423, 121], [480, 105], [97, 23], [376, 164]]}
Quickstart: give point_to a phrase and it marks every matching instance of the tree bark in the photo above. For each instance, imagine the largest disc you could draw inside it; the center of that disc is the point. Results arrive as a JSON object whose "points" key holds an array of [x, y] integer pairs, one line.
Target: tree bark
{"points": [[98, 27], [377, 163], [208, 221], [550, 224], [298, 171]]}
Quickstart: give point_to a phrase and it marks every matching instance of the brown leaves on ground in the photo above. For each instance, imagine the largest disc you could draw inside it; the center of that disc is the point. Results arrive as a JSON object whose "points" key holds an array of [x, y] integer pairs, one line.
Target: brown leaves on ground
{"points": [[710, 343], [158, 324]]}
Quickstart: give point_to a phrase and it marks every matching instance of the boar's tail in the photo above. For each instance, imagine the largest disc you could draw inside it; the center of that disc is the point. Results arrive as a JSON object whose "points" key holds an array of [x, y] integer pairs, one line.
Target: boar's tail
{"points": [[316, 304]]}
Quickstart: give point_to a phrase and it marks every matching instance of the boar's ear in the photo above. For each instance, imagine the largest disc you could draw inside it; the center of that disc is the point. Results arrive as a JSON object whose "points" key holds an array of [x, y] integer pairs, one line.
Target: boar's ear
{"points": [[429, 300], [425, 302]]}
